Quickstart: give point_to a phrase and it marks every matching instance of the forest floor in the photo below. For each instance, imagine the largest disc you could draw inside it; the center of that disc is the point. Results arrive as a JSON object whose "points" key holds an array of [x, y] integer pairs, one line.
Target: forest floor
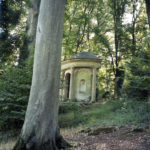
{"points": [[120, 139], [104, 126]]}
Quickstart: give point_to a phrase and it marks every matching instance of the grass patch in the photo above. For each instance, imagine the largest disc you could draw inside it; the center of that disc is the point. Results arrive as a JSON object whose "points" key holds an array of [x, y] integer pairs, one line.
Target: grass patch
{"points": [[70, 115], [89, 115], [133, 112], [112, 112]]}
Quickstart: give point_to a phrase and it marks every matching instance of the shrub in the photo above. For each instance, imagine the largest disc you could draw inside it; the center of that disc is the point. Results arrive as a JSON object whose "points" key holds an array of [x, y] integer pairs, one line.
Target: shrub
{"points": [[139, 111], [69, 107], [137, 79], [70, 115], [14, 92]]}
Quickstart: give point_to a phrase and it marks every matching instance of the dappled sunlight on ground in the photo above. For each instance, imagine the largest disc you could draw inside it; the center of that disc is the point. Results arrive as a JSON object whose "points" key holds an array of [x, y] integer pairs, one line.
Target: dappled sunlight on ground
{"points": [[121, 139], [7, 146]]}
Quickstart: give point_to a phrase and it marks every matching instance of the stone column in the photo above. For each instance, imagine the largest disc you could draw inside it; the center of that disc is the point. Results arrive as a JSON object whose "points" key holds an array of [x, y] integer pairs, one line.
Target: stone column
{"points": [[71, 84], [63, 89], [93, 85]]}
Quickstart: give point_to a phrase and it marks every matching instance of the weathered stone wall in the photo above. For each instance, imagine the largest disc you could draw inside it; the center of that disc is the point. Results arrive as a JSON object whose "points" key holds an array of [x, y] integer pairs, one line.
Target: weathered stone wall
{"points": [[82, 79], [83, 84]]}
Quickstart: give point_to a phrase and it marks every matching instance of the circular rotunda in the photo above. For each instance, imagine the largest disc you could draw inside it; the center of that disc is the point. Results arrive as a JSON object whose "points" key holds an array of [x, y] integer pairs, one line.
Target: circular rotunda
{"points": [[79, 74]]}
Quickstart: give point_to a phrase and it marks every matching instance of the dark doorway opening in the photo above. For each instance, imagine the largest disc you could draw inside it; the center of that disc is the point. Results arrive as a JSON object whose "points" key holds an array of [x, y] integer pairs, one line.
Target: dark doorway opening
{"points": [[68, 84]]}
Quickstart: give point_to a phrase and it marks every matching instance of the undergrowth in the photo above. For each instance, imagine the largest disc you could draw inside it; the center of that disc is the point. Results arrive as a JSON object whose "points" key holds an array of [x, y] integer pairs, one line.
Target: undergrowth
{"points": [[118, 112], [113, 112], [14, 93]]}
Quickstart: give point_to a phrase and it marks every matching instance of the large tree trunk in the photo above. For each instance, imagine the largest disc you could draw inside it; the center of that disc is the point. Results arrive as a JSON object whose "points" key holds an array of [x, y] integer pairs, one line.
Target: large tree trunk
{"points": [[29, 40], [148, 10], [40, 130]]}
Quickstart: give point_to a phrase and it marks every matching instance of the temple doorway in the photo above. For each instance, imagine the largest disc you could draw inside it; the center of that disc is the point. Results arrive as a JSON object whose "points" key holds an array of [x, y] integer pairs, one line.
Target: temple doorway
{"points": [[67, 84]]}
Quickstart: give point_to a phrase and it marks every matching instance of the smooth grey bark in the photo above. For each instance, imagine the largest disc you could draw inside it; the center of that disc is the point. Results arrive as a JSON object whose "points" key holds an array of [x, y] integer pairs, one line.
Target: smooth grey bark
{"points": [[40, 130], [33, 17], [29, 40]]}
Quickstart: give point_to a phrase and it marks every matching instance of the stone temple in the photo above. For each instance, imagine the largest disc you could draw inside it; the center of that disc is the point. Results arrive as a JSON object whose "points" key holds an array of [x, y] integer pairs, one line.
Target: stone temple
{"points": [[79, 74]]}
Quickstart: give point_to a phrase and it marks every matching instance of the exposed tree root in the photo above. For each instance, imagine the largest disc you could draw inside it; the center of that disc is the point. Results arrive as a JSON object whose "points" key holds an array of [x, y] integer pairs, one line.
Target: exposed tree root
{"points": [[58, 144], [20, 145], [61, 143]]}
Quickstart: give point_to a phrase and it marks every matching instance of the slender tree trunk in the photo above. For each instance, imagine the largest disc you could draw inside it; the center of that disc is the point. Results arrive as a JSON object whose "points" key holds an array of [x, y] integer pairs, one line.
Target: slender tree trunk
{"points": [[133, 28], [116, 18], [119, 9], [148, 10], [29, 40], [40, 130]]}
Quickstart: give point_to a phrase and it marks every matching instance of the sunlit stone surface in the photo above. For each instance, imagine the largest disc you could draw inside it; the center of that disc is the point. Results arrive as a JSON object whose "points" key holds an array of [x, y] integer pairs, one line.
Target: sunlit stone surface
{"points": [[79, 77]]}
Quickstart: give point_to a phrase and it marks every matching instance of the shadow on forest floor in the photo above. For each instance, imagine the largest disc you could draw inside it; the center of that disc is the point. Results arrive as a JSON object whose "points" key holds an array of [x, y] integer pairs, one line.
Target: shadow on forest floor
{"points": [[121, 139], [73, 118]]}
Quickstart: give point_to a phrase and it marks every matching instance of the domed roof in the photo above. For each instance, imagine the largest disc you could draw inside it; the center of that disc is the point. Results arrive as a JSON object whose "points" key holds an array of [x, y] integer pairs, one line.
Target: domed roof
{"points": [[85, 55]]}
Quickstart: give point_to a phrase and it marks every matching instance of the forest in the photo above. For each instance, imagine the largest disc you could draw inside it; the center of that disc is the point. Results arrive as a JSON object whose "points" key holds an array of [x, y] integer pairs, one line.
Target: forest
{"points": [[35, 36]]}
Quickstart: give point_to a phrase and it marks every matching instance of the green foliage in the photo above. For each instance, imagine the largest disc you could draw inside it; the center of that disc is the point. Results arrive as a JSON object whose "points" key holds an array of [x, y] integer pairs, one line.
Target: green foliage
{"points": [[14, 92], [88, 115], [137, 81], [83, 20], [97, 25], [102, 27], [118, 112], [67, 107], [101, 114], [12, 26], [135, 112], [70, 115]]}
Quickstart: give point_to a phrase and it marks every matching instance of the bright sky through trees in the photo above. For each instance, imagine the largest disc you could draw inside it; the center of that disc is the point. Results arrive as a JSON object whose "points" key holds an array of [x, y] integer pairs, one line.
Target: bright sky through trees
{"points": [[128, 14]]}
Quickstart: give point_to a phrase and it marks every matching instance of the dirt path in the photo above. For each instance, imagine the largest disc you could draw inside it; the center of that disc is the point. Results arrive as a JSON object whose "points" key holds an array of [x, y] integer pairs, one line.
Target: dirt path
{"points": [[121, 139]]}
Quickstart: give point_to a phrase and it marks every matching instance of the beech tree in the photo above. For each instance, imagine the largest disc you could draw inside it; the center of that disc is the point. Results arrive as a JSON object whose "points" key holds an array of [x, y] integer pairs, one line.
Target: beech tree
{"points": [[40, 130], [29, 40]]}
